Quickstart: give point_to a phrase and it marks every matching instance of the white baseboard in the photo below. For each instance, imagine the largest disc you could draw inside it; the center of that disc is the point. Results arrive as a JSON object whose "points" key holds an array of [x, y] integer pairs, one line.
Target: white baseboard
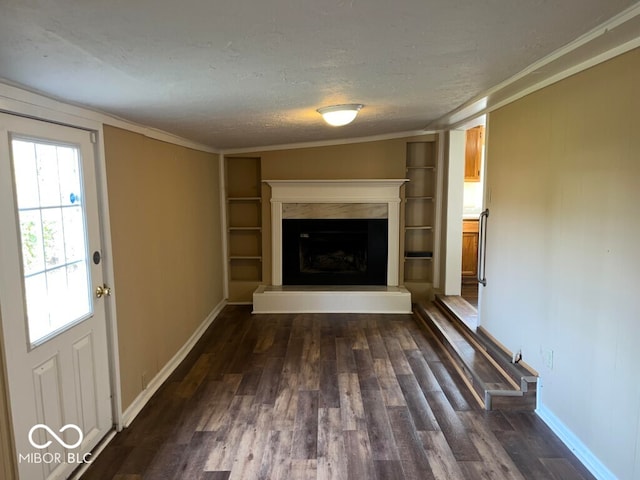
{"points": [[141, 400], [579, 449]]}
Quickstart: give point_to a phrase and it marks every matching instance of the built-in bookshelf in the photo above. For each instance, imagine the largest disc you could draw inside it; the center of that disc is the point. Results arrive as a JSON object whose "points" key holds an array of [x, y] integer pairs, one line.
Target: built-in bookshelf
{"points": [[244, 226], [419, 218]]}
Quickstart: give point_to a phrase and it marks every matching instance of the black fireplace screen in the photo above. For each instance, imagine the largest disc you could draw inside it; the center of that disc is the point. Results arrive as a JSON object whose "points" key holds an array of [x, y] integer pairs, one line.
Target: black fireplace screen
{"points": [[334, 252]]}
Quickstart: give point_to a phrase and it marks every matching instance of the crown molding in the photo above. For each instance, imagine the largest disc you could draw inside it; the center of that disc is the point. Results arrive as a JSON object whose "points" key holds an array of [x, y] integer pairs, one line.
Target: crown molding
{"points": [[19, 101], [616, 36], [328, 143]]}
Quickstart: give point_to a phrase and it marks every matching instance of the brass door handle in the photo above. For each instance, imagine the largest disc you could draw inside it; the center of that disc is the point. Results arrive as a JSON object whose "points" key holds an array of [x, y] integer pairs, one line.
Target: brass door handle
{"points": [[102, 291]]}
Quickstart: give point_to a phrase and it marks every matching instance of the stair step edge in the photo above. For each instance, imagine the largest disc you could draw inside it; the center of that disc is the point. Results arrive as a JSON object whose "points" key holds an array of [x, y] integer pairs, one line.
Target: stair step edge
{"points": [[486, 344], [474, 377]]}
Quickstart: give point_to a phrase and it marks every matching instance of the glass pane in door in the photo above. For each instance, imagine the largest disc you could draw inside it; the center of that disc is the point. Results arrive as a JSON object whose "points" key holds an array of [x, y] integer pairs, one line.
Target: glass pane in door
{"points": [[55, 262]]}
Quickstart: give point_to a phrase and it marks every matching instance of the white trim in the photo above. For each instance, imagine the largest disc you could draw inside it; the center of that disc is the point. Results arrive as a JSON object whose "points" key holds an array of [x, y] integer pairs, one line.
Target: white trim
{"points": [[222, 167], [141, 400], [329, 143], [554, 67], [276, 242], [337, 191], [580, 67], [579, 449], [437, 241], [454, 182], [109, 278], [336, 299], [17, 100]]}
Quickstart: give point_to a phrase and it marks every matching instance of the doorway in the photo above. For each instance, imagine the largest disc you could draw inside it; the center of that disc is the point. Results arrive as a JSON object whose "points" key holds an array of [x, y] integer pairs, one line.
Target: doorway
{"points": [[473, 201], [52, 296]]}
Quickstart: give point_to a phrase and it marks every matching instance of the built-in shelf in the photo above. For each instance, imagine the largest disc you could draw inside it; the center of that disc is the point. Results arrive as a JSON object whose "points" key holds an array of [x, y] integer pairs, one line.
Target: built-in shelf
{"points": [[418, 254], [419, 218], [244, 220]]}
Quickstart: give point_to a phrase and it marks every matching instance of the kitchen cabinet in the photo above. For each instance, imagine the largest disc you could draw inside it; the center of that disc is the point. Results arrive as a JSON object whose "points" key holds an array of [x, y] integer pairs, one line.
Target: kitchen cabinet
{"points": [[473, 154], [469, 250]]}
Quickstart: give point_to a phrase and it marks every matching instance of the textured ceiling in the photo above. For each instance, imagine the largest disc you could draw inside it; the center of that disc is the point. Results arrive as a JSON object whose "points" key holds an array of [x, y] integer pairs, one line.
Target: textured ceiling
{"points": [[247, 73]]}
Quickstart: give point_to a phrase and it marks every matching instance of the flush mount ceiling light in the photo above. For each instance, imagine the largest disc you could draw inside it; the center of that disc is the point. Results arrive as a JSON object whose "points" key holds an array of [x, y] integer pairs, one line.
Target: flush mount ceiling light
{"points": [[339, 115]]}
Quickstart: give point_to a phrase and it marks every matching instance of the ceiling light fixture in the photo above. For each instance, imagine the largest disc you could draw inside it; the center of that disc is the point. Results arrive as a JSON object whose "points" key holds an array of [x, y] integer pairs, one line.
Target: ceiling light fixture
{"points": [[339, 115]]}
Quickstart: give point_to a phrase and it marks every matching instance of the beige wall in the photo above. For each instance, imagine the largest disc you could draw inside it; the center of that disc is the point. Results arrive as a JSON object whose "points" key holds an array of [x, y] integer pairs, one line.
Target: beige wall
{"points": [[378, 159], [562, 256], [164, 203], [381, 159]]}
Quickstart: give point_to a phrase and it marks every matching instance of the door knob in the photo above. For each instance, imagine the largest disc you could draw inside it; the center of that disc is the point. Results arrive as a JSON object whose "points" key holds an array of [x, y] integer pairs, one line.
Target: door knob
{"points": [[102, 291]]}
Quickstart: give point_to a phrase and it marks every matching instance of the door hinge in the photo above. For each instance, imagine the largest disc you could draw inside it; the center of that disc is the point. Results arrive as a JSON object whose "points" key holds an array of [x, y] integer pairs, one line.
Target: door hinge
{"points": [[94, 137]]}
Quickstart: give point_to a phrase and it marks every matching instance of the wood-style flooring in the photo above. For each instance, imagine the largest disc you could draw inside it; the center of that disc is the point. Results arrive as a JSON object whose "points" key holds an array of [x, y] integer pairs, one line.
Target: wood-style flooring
{"points": [[470, 293], [326, 396]]}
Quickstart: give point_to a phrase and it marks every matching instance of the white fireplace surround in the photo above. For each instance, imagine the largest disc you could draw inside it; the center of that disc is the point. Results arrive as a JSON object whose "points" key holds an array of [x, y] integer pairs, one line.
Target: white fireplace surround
{"points": [[338, 199]]}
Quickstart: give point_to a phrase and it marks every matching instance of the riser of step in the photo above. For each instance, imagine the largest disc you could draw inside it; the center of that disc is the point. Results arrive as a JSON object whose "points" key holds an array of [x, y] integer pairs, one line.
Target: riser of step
{"points": [[520, 375], [500, 393]]}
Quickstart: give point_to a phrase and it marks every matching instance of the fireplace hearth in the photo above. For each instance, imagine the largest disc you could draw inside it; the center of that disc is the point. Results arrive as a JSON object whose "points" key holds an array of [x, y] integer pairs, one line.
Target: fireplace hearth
{"points": [[334, 251]]}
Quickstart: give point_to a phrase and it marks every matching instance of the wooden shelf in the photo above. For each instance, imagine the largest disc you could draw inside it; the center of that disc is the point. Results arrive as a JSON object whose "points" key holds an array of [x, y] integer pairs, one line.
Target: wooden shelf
{"points": [[418, 218], [244, 230], [418, 255], [244, 199]]}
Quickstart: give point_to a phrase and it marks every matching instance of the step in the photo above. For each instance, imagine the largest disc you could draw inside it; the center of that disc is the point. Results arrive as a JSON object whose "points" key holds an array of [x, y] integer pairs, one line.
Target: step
{"points": [[493, 385], [465, 317]]}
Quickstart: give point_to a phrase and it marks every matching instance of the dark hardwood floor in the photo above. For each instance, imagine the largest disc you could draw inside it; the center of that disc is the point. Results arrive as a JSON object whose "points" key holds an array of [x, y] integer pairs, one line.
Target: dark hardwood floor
{"points": [[470, 293], [319, 396]]}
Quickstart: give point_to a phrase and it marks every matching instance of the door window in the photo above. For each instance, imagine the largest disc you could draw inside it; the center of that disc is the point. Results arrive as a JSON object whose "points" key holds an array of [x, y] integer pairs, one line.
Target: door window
{"points": [[55, 262]]}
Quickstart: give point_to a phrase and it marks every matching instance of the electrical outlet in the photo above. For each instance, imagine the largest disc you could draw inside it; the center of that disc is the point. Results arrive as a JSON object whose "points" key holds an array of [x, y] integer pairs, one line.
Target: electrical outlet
{"points": [[549, 359]]}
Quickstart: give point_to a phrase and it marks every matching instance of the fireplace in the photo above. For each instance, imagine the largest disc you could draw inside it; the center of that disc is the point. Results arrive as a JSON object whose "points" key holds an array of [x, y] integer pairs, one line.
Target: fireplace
{"points": [[334, 248], [334, 251]]}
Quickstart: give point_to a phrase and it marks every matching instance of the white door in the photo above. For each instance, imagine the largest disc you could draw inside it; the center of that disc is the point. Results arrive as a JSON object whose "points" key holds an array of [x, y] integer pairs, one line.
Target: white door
{"points": [[53, 324]]}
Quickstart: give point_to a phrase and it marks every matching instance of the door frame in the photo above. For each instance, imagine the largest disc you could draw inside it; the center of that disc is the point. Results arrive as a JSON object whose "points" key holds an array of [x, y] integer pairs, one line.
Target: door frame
{"points": [[14, 101], [455, 192]]}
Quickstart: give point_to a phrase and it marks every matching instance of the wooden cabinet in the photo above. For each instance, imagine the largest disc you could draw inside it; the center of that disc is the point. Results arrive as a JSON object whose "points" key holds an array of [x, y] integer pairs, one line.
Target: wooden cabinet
{"points": [[419, 218], [244, 227], [473, 154], [469, 250]]}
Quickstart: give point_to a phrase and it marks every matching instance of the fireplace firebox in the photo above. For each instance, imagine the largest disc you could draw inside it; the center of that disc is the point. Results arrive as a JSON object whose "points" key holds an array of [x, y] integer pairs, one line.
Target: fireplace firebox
{"points": [[334, 251]]}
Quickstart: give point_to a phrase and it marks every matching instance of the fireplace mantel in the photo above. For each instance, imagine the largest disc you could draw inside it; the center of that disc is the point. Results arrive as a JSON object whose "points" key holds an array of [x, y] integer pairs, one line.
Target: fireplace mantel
{"points": [[345, 195], [336, 191], [373, 191]]}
